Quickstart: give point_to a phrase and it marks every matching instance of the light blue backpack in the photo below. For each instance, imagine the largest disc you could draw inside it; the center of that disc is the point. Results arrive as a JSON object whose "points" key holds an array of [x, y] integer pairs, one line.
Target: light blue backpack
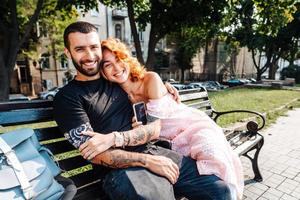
{"points": [[26, 168]]}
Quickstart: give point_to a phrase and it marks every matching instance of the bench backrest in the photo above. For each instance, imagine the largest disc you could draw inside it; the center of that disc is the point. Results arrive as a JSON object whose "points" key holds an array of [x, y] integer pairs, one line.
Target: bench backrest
{"points": [[24, 114], [197, 98]]}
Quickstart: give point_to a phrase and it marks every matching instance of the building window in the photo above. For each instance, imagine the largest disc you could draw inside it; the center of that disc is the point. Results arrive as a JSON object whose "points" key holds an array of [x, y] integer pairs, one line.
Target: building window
{"points": [[94, 13], [63, 62], [44, 61], [141, 35], [118, 31], [47, 84], [24, 74]]}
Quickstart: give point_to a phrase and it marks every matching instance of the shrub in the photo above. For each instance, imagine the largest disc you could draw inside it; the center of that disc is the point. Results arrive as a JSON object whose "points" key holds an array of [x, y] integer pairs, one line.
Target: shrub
{"points": [[292, 71]]}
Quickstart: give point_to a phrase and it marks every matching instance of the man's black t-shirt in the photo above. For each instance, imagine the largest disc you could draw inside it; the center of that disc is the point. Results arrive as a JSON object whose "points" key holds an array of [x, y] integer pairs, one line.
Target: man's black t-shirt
{"points": [[103, 105]]}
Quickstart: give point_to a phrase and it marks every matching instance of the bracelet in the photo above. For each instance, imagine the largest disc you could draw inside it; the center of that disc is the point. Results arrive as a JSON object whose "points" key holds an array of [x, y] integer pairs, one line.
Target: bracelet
{"points": [[119, 139]]}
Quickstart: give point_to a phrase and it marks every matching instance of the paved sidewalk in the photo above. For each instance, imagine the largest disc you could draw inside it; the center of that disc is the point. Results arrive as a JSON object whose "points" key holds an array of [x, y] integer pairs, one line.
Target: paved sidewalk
{"points": [[279, 162]]}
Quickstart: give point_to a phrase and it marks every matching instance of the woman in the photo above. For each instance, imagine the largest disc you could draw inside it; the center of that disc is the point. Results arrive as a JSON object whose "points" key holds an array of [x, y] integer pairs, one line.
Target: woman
{"points": [[190, 131]]}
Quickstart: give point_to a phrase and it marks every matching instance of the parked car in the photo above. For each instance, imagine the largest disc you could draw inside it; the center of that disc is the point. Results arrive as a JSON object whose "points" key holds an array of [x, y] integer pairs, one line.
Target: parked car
{"points": [[235, 82], [179, 86], [215, 84], [49, 94], [18, 97], [196, 84]]}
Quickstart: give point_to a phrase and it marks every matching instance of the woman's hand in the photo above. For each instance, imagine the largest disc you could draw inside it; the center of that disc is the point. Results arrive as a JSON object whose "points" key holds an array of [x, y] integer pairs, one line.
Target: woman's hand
{"points": [[98, 143], [172, 90], [135, 123]]}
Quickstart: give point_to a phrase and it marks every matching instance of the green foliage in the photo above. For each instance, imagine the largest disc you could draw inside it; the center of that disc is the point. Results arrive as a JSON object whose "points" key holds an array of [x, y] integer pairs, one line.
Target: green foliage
{"points": [[162, 60], [260, 25], [187, 43], [51, 22], [292, 71]]}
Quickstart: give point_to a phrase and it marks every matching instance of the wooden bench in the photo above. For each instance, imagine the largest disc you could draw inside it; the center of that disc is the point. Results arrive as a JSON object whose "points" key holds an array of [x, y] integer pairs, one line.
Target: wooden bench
{"points": [[88, 185]]}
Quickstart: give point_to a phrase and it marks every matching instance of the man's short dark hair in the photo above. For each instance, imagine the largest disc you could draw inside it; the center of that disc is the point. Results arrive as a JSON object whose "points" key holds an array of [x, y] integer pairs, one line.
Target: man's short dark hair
{"points": [[81, 27]]}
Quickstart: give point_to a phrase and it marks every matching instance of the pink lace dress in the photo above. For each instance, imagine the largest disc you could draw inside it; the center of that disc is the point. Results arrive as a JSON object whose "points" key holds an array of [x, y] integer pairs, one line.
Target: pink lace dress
{"points": [[193, 133]]}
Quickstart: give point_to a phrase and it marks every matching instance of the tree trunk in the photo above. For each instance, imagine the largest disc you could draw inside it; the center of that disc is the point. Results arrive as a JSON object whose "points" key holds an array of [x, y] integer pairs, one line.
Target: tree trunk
{"points": [[210, 59], [134, 32], [258, 75], [4, 79], [153, 39], [54, 59], [8, 54], [182, 75]]}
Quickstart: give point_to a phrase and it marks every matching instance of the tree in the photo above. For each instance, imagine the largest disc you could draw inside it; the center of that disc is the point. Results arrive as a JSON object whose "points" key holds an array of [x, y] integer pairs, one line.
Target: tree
{"points": [[51, 24], [289, 37], [16, 27], [188, 42], [14, 31], [257, 24], [164, 16]]}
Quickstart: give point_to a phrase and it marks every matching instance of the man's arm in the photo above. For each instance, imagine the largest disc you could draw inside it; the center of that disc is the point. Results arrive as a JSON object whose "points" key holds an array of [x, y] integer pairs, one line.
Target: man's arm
{"points": [[117, 158], [98, 143]]}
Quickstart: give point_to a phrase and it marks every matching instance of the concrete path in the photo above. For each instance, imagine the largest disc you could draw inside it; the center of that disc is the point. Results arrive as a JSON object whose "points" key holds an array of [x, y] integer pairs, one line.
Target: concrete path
{"points": [[279, 162]]}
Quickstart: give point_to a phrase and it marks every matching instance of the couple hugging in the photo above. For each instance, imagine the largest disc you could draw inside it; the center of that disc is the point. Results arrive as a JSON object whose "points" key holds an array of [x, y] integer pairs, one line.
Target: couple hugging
{"points": [[95, 112]]}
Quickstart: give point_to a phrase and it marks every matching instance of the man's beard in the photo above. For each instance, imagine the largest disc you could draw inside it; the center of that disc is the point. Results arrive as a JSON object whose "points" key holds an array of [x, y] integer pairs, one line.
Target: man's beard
{"points": [[85, 72]]}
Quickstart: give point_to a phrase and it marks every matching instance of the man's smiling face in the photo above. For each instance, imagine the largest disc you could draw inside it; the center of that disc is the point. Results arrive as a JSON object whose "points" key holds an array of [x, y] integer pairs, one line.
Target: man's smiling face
{"points": [[85, 52]]}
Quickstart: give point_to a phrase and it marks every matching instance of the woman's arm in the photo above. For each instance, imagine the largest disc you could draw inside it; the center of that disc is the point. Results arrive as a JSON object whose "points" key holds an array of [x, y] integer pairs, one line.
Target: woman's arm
{"points": [[154, 86], [98, 143]]}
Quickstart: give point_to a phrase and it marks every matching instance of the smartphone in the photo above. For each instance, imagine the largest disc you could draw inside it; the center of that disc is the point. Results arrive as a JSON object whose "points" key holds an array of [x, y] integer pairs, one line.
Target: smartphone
{"points": [[139, 110]]}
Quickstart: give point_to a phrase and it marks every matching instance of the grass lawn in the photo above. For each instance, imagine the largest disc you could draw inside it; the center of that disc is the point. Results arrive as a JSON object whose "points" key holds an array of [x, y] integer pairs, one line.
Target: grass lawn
{"points": [[261, 100]]}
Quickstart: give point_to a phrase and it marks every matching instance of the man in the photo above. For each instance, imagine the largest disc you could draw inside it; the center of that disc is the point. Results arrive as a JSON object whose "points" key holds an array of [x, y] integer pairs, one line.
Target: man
{"points": [[140, 170]]}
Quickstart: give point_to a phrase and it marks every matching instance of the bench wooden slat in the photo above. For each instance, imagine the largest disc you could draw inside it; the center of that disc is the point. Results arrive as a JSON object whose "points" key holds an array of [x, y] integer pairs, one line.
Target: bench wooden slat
{"points": [[85, 179], [193, 96], [48, 133], [93, 191], [7, 106], [199, 105], [73, 163], [60, 147], [25, 116], [247, 145]]}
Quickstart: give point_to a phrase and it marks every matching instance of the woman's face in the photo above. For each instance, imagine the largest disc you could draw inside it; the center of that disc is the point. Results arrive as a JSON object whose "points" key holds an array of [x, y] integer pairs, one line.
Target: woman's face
{"points": [[114, 69]]}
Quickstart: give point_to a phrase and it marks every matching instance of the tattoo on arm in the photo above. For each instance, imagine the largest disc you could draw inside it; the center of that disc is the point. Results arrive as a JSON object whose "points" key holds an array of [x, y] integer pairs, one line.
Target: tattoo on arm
{"points": [[142, 134], [116, 158]]}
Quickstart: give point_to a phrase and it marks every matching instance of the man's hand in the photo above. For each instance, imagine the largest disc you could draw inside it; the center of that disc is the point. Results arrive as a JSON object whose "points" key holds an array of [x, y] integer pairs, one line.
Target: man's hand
{"points": [[172, 90], [98, 143], [163, 166]]}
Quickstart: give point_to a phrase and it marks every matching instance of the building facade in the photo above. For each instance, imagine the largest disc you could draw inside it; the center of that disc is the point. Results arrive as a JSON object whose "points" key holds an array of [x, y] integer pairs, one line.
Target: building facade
{"points": [[31, 77]]}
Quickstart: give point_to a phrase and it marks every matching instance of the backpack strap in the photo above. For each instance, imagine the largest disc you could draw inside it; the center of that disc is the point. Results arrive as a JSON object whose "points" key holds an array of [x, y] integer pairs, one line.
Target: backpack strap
{"points": [[14, 162]]}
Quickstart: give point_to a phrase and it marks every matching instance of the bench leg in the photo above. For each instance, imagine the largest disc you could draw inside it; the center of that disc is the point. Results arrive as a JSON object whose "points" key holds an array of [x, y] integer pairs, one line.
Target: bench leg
{"points": [[254, 160]]}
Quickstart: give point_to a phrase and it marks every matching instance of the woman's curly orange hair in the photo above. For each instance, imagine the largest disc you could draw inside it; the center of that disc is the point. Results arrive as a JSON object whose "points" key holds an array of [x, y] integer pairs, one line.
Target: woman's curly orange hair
{"points": [[120, 50]]}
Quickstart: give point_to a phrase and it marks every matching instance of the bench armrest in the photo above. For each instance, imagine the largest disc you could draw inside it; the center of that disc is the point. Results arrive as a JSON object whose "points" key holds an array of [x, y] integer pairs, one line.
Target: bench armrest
{"points": [[217, 114]]}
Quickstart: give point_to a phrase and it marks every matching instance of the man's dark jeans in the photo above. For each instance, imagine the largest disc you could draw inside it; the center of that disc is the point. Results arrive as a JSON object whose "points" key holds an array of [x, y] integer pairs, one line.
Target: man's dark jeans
{"points": [[139, 183]]}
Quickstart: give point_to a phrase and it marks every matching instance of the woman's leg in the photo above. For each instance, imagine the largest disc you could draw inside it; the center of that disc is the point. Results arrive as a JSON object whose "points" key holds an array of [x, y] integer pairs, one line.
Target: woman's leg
{"points": [[194, 186]]}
